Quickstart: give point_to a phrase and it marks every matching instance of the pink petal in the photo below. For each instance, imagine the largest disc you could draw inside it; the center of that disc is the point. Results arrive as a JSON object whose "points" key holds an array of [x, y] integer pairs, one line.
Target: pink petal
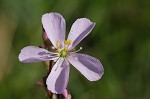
{"points": [[79, 30], [55, 27], [58, 78], [89, 66], [31, 54]]}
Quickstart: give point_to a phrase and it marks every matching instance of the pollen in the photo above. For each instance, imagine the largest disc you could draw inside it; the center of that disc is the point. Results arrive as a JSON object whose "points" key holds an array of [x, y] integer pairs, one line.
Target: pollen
{"points": [[58, 50], [65, 49], [67, 42], [58, 44]]}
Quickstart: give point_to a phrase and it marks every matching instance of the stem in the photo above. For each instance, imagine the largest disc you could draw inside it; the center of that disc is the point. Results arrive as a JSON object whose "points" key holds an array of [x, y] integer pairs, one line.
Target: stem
{"points": [[49, 93]]}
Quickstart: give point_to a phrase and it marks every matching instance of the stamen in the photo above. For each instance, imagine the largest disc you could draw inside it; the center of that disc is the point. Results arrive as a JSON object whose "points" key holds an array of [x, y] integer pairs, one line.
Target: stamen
{"points": [[53, 47], [58, 44], [55, 60], [65, 42], [69, 42], [78, 50], [65, 49], [58, 50]]}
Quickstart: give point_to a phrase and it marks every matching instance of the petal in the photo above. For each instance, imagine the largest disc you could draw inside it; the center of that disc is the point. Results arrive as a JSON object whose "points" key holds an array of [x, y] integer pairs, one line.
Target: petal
{"points": [[55, 26], [79, 30], [89, 66], [31, 54], [58, 78]]}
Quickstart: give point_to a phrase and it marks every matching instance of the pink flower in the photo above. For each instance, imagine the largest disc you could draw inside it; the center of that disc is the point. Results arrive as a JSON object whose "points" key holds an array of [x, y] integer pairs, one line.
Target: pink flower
{"points": [[55, 26]]}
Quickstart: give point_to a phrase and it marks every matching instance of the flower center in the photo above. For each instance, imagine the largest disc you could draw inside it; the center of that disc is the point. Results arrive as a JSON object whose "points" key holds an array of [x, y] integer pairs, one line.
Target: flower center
{"points": [[63, 52]]}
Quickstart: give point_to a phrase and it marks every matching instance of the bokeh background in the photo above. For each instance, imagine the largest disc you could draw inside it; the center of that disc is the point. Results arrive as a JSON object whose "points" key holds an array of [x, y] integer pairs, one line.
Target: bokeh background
{"points": [[120, 39]]}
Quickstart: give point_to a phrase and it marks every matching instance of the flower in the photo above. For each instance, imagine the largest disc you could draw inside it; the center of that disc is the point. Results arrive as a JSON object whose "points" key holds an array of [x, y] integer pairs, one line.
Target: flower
{"points": [[54, 26]]}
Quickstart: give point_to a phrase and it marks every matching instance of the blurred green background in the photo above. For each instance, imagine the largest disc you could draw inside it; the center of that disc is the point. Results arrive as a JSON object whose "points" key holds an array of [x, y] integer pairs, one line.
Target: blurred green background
{"points": [[120, 39]]}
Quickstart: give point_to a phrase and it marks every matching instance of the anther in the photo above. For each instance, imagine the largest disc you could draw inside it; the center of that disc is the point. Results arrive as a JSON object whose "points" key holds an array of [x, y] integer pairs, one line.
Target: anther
{"points": [[58, 44], [58, 50], [65, 42], [65, 49], [69, 42]]}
